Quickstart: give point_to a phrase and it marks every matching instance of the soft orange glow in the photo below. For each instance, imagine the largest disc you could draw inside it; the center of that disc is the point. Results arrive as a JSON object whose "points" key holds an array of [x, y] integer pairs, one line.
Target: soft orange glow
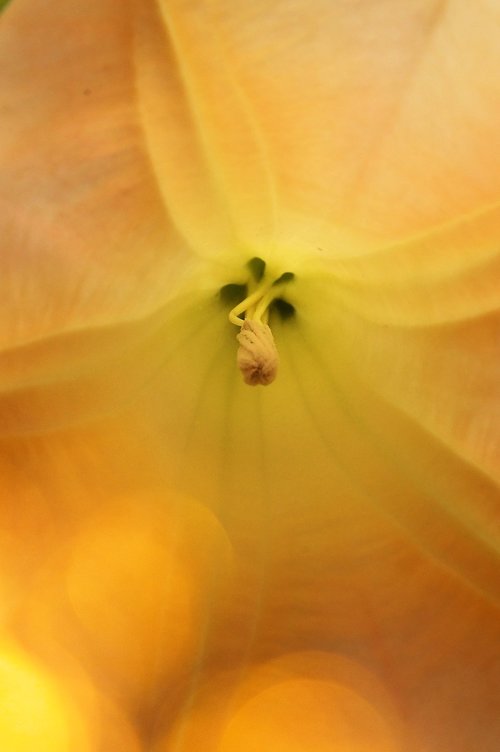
{"points": [[300, 715], [137, 580], [297, 703], [128, 597], [35, 713]]}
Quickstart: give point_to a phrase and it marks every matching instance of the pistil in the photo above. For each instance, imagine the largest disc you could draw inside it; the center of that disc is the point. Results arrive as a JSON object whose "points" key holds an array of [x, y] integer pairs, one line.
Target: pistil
{"points": [[257, 356]]}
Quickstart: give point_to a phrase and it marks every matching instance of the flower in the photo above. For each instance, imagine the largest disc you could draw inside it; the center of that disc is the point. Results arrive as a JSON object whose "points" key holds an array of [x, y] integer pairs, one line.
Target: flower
{"points": [[210, 562]]}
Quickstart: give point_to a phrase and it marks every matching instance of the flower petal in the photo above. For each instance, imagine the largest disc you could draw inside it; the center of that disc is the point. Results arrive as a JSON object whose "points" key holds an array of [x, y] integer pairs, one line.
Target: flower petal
{"points": [[378, 119], [86, 238]]}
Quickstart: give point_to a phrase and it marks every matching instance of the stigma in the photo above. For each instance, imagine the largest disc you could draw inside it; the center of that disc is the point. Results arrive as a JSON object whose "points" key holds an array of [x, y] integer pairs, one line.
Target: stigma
{"points": [[257, 357]]}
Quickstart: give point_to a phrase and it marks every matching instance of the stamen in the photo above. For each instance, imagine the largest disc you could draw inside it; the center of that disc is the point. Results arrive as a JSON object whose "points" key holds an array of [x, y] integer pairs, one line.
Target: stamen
{"points": [[248, 305], [257, 355]]}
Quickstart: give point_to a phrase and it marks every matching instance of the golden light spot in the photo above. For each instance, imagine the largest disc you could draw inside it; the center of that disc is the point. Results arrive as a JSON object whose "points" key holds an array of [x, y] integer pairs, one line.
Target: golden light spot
{"points": [[300, 715], [137, 582], [35, 715], [299, 702]]}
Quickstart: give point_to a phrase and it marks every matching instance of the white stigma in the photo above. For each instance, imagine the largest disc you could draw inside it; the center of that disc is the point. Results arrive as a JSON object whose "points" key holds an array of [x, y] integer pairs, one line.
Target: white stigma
{"points": [[257, 355]]}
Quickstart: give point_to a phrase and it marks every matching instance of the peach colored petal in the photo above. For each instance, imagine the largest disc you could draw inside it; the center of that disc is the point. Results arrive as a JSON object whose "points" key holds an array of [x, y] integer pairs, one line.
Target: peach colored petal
{"points": [[376, 118], [360, 491], [393, 131], [86, 238]]}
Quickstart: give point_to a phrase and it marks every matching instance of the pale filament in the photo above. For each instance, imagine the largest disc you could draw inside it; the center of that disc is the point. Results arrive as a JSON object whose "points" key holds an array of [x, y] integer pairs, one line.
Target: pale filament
{"points": [[251, 304]]}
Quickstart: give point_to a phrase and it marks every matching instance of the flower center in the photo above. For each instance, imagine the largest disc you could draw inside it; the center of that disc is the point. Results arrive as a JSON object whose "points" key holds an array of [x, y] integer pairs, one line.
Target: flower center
{"points": [[257, 356]]}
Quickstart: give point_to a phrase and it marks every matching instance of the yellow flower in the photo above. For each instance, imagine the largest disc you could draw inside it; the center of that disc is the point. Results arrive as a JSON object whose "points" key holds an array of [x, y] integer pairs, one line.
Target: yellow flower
{"points": [[309, 564]]}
